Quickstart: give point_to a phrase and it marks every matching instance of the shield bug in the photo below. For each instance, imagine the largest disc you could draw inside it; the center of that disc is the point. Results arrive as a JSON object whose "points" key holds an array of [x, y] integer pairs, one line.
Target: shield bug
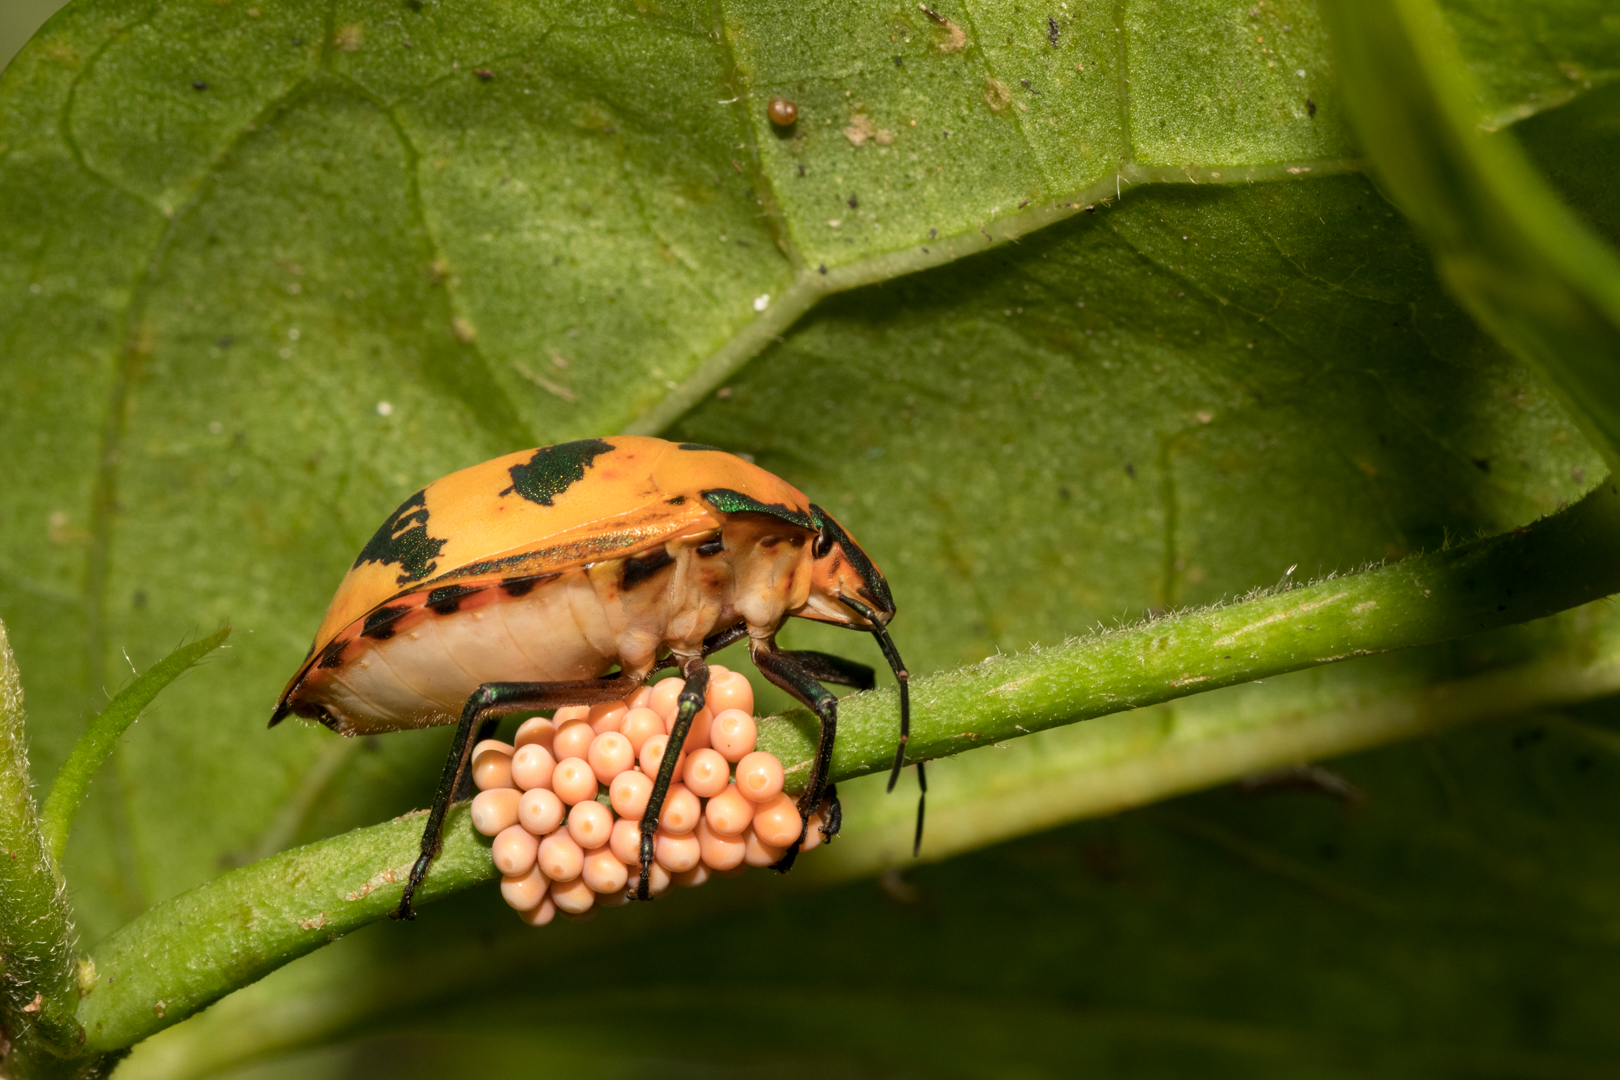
{"points": [[568, 574]]}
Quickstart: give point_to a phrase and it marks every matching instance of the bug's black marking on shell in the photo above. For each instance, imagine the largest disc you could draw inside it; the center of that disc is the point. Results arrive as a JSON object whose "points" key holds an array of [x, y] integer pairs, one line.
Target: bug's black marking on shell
{"points": [[676, 501], [642, 567], [380, 623], [554, 469], [447, 598], [700, 446], [404, 540], [712, 546], [523, 586], [735, 502], [332, 655]]}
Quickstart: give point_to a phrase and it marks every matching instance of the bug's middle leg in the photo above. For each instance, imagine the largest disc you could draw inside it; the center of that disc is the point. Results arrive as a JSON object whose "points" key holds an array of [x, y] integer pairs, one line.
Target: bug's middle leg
{"points": [[797, 675], [688, 705]]}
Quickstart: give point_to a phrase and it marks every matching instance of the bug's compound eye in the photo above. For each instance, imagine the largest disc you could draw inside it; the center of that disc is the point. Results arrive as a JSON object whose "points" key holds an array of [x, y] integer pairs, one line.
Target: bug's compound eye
{"points": [[782, 112], [823, 545]]}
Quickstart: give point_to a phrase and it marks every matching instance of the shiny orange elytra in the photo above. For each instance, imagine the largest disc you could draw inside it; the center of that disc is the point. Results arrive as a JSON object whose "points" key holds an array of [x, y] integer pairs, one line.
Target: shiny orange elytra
{"points": [[565, 576]]}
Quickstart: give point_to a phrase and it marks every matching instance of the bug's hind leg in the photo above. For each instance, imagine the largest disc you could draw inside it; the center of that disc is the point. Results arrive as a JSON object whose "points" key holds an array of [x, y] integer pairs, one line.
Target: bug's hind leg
{"points": [[797, 675], [688, 705], [487, 703]]}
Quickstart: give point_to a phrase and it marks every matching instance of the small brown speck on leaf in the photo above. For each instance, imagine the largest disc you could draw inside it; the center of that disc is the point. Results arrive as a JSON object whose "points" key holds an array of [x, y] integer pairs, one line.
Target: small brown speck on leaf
{"points": [[484, 73], [34, 1006], [955, 39], [996, 94]]}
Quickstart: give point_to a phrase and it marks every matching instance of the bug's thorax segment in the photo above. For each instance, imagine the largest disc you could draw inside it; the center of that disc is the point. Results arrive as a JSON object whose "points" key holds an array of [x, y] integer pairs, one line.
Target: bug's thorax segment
{"points": [[770, 565]]}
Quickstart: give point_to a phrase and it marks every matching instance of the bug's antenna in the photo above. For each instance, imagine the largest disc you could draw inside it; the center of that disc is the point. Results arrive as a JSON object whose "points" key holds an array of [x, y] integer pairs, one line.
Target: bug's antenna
{"points": [[903, 677]]}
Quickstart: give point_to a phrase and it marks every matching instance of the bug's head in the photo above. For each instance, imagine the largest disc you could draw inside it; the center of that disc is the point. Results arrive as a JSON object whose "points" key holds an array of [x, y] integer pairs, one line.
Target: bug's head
{"points": [[846, 587]]}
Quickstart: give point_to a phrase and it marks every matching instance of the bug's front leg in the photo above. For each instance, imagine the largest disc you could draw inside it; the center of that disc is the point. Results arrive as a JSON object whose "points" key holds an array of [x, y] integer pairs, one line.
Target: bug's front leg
{"points": [[688, 705], [796, 675]]}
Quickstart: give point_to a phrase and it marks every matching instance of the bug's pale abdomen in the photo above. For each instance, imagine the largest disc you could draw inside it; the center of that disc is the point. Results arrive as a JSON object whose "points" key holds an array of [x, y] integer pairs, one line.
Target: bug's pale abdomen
{"points": [[422, 673]]}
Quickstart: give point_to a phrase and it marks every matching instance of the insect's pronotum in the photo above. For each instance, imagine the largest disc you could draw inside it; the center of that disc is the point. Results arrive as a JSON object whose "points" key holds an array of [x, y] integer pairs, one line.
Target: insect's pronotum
{"points": [[565, 576]]}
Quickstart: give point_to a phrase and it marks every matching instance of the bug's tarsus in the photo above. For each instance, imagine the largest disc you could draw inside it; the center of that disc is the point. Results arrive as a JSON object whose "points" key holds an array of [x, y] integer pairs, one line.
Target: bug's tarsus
{"points": [[688, 705], [834, 820]]}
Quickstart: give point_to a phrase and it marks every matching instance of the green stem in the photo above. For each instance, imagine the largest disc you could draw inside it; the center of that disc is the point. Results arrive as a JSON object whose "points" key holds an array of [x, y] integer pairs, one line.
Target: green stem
{"points": [[1084, 770], [1517, 258], [73, 781], [38, 980], [190, 951]]}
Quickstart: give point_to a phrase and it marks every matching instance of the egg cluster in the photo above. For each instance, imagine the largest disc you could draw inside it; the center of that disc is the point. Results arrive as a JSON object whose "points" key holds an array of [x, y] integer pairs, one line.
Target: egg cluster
{"points": [[564, 800]]}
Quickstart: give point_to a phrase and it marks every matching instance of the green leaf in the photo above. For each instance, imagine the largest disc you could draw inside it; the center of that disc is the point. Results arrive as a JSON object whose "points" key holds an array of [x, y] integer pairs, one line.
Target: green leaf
{"points": [[1266, 381], [74, 778]]}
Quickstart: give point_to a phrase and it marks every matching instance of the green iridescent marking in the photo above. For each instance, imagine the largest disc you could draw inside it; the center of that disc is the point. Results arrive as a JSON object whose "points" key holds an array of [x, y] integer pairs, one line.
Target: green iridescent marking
{"points": [[735, 502]]}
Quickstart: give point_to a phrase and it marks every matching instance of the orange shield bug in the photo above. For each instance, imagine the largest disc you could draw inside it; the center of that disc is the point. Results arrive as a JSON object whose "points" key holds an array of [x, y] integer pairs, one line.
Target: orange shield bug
{"points": [[568, 574]]}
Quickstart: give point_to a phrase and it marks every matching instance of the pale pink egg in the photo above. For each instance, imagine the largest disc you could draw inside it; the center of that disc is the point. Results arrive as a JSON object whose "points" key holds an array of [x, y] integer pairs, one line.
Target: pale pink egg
{"points": [[525, 892], [514, 850], [733, 734], [728, 813], [574, 780], [540, 811], [719, 851], [759, 776], [494, 810], [629, 793], [777, 822], [559, 857], [532, 766]]}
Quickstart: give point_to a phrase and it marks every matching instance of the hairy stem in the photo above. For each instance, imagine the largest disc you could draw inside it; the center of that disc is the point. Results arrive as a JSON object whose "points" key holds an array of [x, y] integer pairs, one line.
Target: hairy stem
{"points": [[187, 952], [38, 968]]}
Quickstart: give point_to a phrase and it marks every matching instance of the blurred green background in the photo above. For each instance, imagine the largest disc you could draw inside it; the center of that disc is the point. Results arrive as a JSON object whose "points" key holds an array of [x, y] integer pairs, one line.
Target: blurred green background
{"points": [[18, 21], [231, 234]]}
